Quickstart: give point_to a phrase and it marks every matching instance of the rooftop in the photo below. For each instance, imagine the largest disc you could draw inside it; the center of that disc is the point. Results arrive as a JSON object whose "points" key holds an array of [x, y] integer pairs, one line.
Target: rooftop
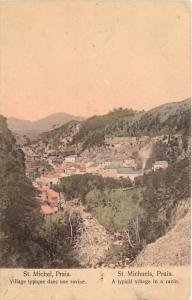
{"points": [[161, 162], [47, 210]]}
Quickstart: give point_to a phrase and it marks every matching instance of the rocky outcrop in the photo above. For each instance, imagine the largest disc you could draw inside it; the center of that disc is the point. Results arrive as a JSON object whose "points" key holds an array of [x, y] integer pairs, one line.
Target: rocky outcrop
{"points": [[92, 240]]}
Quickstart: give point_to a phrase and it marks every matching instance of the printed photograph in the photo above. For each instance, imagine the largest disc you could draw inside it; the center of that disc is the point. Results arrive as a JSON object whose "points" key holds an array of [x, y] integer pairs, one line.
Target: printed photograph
{"points": [[95, 134]]}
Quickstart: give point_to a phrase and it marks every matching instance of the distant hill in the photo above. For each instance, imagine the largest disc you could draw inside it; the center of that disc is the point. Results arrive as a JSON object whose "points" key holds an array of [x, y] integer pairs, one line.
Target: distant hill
{"points": [[45, 124]]}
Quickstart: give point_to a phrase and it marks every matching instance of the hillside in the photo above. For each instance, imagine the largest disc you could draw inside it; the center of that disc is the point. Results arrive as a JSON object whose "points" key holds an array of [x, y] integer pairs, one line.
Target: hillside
{"points": [[166, 110], [171, 118], [61, 135], [93, 131], [171, 249], [138, 214], [26, 238], [45, 124], [106, 221], [18, 210]]}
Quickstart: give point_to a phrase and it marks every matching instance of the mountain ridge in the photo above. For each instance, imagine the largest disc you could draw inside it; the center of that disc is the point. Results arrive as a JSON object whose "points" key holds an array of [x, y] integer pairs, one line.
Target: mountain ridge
{"points": [[28, 127], [170, 118]]}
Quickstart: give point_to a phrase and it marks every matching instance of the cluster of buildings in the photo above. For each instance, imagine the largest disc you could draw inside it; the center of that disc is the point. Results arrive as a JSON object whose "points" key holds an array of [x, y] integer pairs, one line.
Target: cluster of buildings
{"points": [[120, 159], [50, 201], [106, 166]]}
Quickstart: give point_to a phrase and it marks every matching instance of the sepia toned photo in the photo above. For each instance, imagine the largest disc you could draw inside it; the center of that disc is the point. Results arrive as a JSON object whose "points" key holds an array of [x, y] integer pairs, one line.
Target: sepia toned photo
{"points": [[95, 135]]}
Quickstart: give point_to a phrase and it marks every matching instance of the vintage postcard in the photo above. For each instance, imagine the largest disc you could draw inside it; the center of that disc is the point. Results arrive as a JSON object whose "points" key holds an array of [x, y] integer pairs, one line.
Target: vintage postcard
{"points": [[95, 150]]}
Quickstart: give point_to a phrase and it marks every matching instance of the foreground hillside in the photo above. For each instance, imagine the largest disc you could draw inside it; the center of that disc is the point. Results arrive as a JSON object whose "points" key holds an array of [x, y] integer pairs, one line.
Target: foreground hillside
{"points": [[18, 210], [171, 249], [26, 238]]}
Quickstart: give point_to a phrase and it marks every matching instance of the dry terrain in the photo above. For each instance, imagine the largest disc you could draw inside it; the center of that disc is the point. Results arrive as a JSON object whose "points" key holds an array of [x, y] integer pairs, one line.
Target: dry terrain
{"points": [[171, 249]]}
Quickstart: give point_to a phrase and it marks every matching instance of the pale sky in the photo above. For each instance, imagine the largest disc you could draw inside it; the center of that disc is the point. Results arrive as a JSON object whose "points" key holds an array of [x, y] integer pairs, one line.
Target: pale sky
{"points": [[88, 57]]}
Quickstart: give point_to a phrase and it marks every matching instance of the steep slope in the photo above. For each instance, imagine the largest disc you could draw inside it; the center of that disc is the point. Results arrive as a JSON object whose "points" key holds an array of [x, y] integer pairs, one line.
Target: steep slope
{"points": [[62, 135], [92, 240], [19, 212], [167, 119], [171, 249], [92, 131], [166, 110], [27, 239]]}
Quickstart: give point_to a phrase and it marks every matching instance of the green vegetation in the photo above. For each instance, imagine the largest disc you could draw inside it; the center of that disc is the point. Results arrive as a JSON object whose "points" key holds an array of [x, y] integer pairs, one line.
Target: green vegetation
{"points": [[114, 209], [18, 209], [27, 239], [117, 253], [155, 202], [78, 186], [113, 202], [142, 211], [54, 137], [125, 122], [165, 197], [93, 130], [56, 233], [151, 125], [122, 123], [44, 165], [170, 150]]}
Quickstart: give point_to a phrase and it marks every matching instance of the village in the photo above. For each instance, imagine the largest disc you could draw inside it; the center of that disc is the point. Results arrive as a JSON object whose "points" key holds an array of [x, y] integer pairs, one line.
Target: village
{"points": [[121, 158]]}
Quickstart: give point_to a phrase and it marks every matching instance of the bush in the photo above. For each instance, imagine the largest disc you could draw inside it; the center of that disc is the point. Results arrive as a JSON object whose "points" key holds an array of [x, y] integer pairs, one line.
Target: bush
{"points": [[163, 192]]}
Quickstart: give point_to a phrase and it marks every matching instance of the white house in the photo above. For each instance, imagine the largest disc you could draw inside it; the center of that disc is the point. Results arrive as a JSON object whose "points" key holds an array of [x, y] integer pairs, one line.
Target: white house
{"points": [[160, 164], [105, 163]]}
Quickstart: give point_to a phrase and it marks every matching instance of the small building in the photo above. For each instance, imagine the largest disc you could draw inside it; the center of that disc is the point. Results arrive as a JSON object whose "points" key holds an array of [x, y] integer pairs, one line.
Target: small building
{"points": [[51, 160], [53, 198], [105, 163], [48, 210], [81, 168], [94, 168], [49, 200], [160, 164], [71, 158], [130, 161], [70, 170]]}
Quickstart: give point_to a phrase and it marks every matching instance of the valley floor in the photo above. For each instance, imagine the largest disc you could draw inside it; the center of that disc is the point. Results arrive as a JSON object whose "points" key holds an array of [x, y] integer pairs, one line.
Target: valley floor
{"points": [[92, 243]]}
